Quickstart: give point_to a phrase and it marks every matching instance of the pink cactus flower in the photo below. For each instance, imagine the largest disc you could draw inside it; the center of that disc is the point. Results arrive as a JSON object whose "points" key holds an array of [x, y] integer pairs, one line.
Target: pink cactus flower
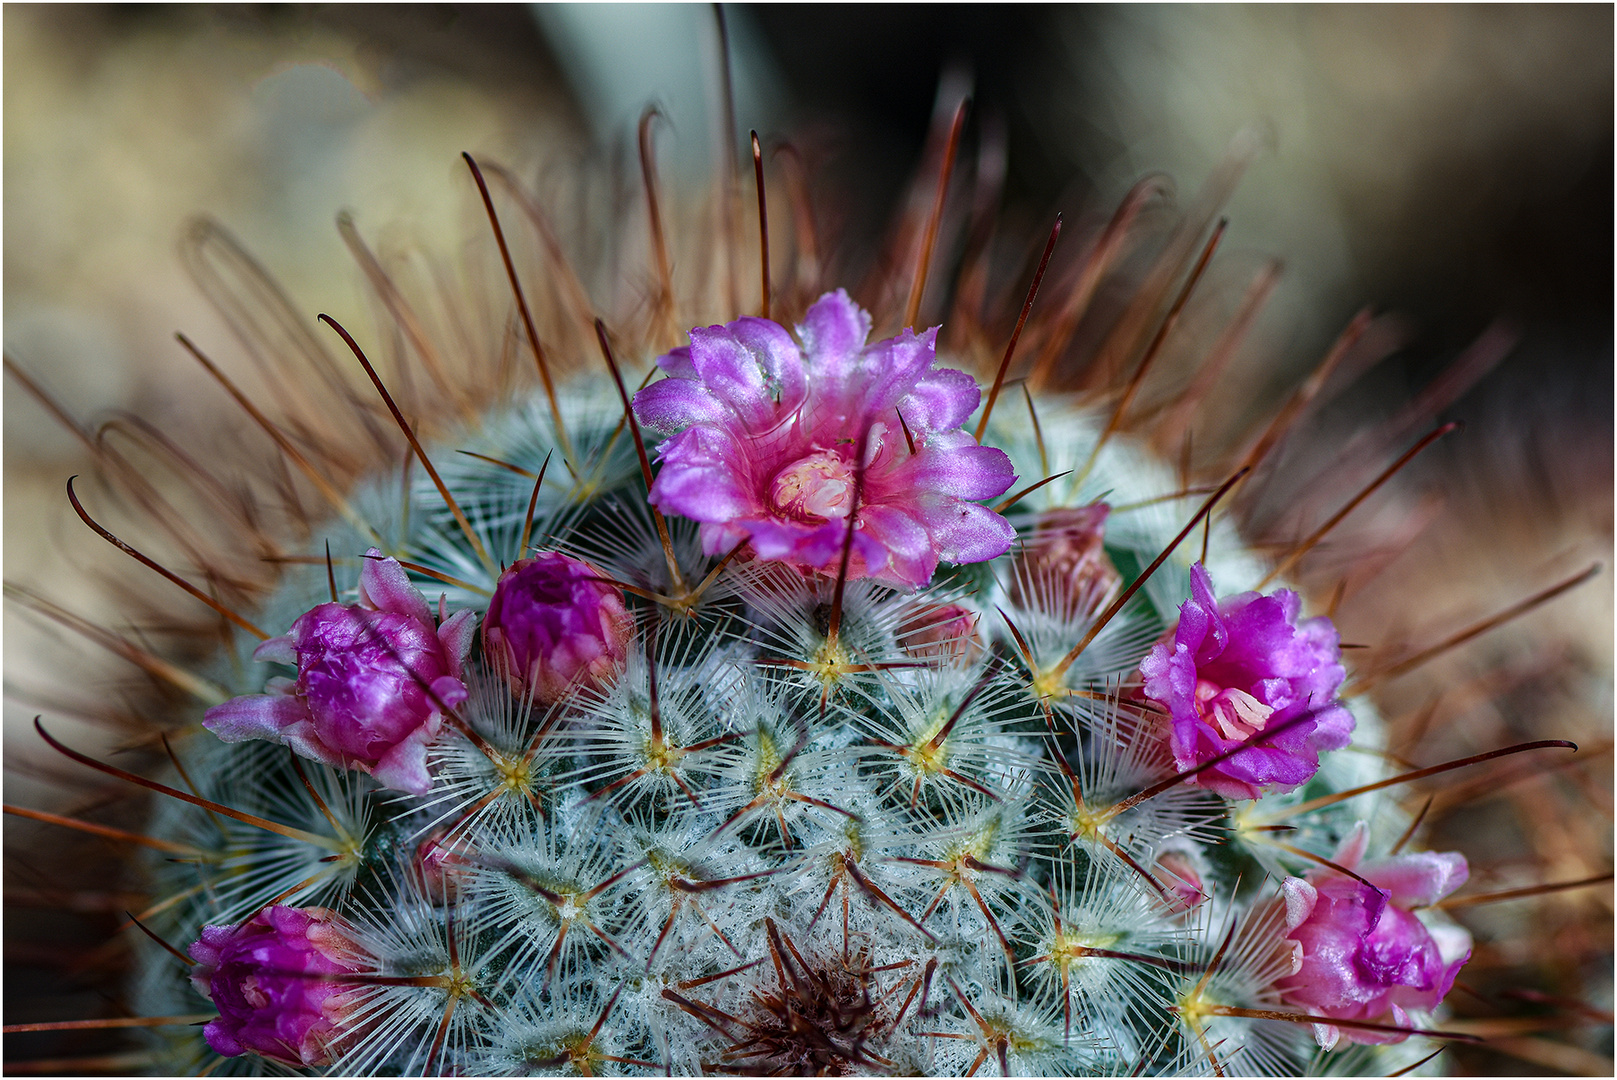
{"points": [[555, 625], [1243, 671], [374, 679], [768, 435], [1359, 953], [276, 981]]}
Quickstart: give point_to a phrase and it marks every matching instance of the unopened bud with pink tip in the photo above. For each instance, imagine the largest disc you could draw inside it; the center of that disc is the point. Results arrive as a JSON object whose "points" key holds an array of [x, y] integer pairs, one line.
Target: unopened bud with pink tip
{"points": [[1181, 877], [556, 624], [940, 633], [374, 681], [441, 861], [1063, 569], [276, 980]]}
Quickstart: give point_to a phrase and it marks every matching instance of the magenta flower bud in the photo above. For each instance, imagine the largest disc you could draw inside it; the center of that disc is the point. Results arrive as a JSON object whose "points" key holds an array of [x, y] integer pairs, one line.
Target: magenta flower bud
{"points": [[555, 624], [374, 680], [276, 980], [1243, 670], [940, 633], [1359, 953], [1063, 568], [766, 439]]}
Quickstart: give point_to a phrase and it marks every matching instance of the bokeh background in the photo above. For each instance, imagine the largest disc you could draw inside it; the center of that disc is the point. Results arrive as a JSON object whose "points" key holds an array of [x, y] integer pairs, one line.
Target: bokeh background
{"points": [[1449, 164]]}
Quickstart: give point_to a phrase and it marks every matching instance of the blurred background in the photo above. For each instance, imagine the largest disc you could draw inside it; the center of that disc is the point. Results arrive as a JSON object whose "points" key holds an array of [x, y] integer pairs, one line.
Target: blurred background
{"points": [[1450, 164]]}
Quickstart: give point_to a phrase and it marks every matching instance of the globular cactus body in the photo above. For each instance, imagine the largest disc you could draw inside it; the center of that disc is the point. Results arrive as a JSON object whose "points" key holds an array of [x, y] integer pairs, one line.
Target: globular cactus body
{"points": [[768, 720], [798, 823]]}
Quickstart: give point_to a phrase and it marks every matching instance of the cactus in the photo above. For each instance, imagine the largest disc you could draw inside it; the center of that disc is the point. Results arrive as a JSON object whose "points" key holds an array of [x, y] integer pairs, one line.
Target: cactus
{"points": [[807, 710]]}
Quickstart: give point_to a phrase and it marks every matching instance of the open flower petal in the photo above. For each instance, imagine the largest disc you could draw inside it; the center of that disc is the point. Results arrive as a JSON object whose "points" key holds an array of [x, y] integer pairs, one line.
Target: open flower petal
{"points": [[384, 586], [671, 405]]}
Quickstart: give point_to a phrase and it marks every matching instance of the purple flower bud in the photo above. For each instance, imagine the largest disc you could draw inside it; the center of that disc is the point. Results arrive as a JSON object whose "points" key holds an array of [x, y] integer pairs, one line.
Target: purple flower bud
{"points": [[1359, 954], [1063, 568], [1243, 670], [276, 981], [766, 437], [554, 625], [374, 679]]}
